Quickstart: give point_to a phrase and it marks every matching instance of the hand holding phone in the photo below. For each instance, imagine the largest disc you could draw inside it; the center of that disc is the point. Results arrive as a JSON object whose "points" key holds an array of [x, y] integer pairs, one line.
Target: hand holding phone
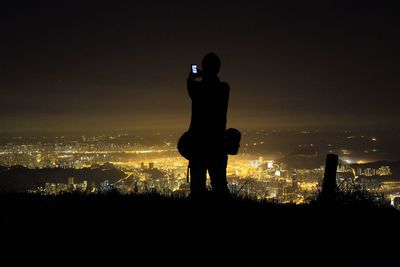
{"points": [[195, 72]]}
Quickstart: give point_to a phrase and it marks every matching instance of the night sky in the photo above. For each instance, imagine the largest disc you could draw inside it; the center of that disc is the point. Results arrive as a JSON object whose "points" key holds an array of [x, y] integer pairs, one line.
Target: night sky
{"points": [[110, 65]]}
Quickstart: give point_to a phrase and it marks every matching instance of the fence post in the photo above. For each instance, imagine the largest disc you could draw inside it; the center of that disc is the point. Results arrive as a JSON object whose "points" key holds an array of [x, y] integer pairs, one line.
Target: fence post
{"points": [[329, 187]]}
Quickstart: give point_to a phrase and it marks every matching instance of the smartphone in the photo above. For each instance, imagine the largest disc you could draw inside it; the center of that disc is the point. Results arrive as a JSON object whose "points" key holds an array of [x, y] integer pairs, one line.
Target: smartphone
{"points": [[194, 69]]}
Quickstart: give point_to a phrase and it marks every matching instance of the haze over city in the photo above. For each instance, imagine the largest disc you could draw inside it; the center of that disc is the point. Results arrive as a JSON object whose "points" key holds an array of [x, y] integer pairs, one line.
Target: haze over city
{"points": [[77, 66]]}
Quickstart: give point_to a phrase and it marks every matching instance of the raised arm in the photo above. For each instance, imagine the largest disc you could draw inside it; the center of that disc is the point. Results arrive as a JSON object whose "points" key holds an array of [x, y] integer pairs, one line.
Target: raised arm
{"points": [[193, 85]]}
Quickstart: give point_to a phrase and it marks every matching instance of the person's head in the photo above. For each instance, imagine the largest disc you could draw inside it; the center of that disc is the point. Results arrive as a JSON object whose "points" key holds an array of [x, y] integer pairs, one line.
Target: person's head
{"points": [[211, 64]]}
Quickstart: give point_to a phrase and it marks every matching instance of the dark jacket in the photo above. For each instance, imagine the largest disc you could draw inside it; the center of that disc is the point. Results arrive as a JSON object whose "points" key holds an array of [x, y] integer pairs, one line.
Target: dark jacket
{"points": [[209, 112]]}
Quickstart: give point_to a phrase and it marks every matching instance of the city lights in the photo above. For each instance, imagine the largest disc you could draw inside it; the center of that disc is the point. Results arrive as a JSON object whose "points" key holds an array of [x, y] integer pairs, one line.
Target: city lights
{"points": [[161, 168]]}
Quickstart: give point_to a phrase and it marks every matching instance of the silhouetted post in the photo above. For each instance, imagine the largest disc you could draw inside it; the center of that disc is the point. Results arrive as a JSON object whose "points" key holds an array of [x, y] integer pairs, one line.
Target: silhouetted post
{"points": [[329, 186]]}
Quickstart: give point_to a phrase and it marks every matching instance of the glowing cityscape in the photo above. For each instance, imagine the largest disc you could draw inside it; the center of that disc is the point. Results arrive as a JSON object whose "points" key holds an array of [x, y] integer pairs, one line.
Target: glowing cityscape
{"points": [[159, 167]]}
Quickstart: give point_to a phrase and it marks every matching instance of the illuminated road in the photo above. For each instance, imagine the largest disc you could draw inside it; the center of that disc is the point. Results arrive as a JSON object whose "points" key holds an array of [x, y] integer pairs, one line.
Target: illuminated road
{"points": [[129, 174]]}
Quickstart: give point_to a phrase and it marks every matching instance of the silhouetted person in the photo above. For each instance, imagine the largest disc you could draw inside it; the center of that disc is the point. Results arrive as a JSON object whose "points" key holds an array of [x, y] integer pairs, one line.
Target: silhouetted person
{"points": [[208, 123]]}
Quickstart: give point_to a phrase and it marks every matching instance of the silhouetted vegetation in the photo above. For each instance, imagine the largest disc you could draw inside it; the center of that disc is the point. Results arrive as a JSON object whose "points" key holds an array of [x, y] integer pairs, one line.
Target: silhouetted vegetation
{"points": [[236, 230]]}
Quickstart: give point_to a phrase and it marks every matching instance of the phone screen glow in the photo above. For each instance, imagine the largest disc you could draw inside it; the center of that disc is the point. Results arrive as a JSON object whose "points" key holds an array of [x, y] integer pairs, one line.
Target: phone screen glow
{"points": [[194, 69]]}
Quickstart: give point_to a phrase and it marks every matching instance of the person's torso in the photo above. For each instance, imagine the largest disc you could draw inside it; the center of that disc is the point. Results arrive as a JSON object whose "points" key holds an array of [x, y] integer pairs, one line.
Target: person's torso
{"points": [[209, 108]]}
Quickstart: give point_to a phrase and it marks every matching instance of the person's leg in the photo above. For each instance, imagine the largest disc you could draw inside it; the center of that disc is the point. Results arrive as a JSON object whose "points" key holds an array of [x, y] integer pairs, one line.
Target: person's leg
{"points": [[217, 171], [198, 176]]}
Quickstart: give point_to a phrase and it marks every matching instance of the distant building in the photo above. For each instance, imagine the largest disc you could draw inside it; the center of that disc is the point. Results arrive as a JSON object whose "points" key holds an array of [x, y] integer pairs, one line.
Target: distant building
{"points": [[71, 181], [106, 186], [92, 185], [384, 171], [82, 187], [51, 188], [369, 172], [396, 202], [294, 181]]}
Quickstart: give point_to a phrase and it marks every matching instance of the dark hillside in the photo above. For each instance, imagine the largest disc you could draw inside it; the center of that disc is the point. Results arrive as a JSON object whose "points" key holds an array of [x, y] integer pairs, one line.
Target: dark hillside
{"points": [[212, 232]]}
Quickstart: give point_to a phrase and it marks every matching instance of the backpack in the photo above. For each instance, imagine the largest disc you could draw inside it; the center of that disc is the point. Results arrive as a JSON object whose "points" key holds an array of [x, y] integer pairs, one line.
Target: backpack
{"points": [[231, 143]]}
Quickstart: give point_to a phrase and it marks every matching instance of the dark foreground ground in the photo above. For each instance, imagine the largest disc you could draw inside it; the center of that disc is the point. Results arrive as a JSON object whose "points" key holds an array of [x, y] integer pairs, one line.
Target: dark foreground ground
{"points": [[150, 230]]}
